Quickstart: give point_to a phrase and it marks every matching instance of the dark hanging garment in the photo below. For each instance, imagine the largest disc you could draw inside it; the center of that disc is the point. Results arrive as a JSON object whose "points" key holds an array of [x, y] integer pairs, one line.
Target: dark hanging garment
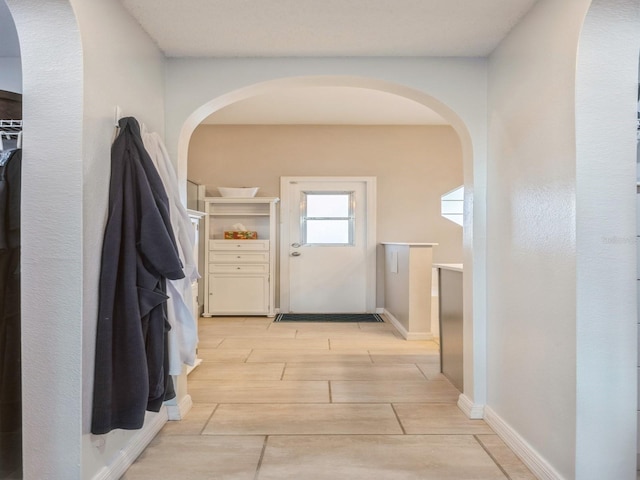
{"points": [[10, 364], [139, 253]]}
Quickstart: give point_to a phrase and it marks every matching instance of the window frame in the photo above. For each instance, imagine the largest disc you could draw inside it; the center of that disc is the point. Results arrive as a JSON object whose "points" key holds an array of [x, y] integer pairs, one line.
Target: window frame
{"points": [[304, 218]]}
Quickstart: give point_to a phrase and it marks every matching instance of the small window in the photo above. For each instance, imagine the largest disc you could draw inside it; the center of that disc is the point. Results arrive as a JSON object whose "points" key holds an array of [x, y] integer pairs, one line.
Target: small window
{"points": [[327, 218]]}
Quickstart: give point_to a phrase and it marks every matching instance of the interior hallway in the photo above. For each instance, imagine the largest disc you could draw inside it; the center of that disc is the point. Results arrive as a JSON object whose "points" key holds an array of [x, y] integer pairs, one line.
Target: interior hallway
{"points": [[318, 401]]}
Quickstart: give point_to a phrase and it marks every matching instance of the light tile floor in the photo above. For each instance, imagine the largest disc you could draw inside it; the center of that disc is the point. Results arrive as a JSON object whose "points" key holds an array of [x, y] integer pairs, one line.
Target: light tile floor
{"points": [[309, 401]]}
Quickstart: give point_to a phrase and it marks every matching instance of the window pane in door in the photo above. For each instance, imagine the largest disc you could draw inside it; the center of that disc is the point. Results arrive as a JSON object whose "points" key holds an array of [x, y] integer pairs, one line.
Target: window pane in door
{"points": [[328, 232], [328, 205]]}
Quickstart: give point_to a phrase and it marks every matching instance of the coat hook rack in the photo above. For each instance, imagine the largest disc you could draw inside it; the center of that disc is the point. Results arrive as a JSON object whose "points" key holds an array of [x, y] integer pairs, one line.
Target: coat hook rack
{"points": [[118, 115]]}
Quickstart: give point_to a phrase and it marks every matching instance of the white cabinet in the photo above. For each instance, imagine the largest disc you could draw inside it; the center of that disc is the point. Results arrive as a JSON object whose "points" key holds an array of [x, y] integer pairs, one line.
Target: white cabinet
{"points": [[239, 277]]}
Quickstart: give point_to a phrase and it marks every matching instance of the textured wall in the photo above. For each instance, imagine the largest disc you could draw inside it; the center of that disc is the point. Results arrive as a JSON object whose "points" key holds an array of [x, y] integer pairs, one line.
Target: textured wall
{"points": [[102, 59], [531, 282], [606, 330], [51, 235], [122, 67]]}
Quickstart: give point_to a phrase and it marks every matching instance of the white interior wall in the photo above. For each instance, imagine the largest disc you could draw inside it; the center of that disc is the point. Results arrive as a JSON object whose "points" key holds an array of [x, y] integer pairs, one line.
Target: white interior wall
{"points": [[122, 67], [51, 235], [531, 204], [110, 62], [606, 332], [456, 88], [54, 176], [552, 280]]}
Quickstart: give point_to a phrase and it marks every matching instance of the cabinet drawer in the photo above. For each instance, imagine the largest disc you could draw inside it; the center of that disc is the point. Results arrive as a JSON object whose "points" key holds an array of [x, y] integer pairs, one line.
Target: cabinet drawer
{"points": [[234, 268], [238, 257], [239, 245]]}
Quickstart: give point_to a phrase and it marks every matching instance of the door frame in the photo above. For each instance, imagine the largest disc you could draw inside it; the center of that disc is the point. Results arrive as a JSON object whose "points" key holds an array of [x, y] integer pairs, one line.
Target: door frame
{"points": [[370, 235]]}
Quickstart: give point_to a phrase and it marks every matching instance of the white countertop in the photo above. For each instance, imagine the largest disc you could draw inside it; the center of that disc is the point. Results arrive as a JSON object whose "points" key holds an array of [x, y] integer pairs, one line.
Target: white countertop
{"points": [[456, 267], [410, 244]]}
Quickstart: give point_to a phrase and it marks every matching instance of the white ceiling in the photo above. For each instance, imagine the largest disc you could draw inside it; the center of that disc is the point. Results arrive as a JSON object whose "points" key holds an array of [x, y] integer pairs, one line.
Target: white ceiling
{"points": [[268, 28], [321, 28], [317, 28]]}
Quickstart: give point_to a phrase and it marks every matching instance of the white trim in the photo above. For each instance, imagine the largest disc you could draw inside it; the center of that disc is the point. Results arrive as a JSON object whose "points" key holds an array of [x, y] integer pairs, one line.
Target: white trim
{"points": [[191, 368], [529, 456], [470, 409], [285, 204], [178, 412], [379, 310], [125, 457], [403, 331]]}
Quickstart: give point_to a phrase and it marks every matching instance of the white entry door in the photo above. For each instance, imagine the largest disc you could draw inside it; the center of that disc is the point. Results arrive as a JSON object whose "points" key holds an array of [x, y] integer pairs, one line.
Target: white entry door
{"points": [[329, 253]]}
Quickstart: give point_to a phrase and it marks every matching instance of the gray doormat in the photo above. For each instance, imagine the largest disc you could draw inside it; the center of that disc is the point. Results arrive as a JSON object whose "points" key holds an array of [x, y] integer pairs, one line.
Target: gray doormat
{"points": [[328, 317]]}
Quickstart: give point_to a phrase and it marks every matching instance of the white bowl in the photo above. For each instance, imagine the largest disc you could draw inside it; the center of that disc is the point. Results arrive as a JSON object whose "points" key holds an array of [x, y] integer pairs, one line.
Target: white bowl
{"points": [[241, 192]]}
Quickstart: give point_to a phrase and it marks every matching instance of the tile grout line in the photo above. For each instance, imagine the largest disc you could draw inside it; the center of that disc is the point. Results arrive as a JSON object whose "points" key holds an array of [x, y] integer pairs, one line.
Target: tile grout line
{"points": [[404, 432], [264, 448], [247, 357], [208, 419], [492, 457], [420, 370]]}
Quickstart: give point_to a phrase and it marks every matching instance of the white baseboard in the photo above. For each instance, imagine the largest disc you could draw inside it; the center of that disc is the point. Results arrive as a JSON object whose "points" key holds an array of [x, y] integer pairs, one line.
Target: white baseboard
{"points": [[529, 456], [379, 310], [178, 412], [470, 409], [128, 454], [190, 368], [403, 331]]}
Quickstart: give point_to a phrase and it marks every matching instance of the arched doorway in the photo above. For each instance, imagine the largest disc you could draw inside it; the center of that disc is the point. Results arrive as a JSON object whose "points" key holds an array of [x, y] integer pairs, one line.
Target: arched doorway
{"points": [[474, 395], [606, 236], [51, 236]]}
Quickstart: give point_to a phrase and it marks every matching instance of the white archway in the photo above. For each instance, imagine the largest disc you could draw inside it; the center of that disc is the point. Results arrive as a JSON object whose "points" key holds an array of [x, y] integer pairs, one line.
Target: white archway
{"points": [[51, 237], [474, 396], [606, 314]]}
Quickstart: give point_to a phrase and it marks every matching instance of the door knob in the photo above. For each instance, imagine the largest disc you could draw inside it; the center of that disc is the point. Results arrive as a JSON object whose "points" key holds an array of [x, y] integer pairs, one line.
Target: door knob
{"points": [[295, 254], [295, 245]]}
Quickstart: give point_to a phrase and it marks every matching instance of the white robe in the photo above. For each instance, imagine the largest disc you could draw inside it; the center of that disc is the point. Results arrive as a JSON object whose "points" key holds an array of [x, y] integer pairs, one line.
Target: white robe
{"points": [[183, 336]]}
